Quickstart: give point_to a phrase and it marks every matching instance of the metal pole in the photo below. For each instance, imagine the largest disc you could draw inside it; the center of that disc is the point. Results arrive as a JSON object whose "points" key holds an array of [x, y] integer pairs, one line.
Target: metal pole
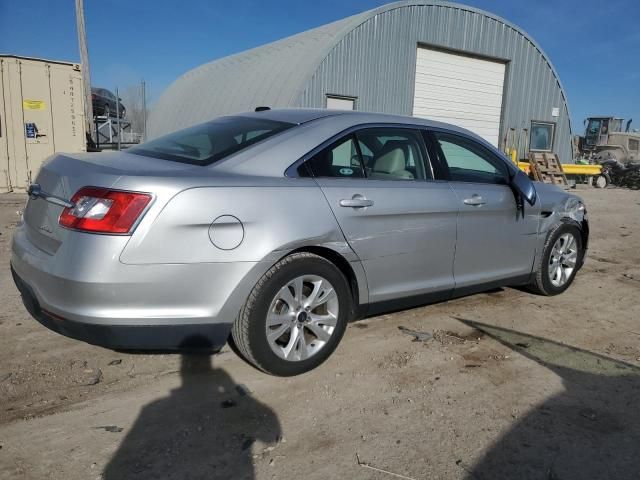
{"points": [[97, 135], [144, 111], [118, 115], [84, 65]]}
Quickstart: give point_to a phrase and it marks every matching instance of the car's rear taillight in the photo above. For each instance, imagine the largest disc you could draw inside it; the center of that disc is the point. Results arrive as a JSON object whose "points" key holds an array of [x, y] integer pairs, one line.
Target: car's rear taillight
{"points": [[104, 211]]}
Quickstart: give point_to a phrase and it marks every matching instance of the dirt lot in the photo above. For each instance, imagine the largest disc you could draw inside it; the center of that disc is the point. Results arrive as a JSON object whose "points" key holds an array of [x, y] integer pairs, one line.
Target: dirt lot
{"points": [[511, 386]]}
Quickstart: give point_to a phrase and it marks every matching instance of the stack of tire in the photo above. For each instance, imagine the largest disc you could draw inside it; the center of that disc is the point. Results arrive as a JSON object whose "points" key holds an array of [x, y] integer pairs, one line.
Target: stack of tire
{"points": [[618, 174]]}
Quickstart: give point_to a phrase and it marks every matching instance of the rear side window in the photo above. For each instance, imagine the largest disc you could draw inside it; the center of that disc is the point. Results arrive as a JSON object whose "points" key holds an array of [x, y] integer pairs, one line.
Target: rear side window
{"points": [[340, 159], [209, 142], [374, 153], [393, 154]]}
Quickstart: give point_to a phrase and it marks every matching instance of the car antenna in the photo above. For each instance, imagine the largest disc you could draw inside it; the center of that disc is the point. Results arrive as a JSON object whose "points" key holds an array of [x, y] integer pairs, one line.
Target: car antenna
{"points": [[262, 109]]}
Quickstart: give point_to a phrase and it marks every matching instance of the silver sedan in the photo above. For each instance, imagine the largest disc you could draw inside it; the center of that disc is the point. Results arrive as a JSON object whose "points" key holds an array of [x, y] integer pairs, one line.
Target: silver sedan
{"points": [[273, 229]]}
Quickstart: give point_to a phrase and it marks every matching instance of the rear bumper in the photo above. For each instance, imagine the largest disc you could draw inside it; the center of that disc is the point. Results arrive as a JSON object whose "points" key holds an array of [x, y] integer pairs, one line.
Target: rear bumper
{"points": [[127, 337], [83, 291]]}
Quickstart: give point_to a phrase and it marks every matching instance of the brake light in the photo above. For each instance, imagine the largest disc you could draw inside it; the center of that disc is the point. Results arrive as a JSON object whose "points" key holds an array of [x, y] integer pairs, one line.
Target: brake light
{"points": [[104, 211]]}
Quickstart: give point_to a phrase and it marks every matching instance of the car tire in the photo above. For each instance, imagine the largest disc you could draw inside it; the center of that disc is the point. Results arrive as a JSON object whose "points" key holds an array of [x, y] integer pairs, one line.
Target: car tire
{"points": [[299, 340], [558, 253], [601, 181]]}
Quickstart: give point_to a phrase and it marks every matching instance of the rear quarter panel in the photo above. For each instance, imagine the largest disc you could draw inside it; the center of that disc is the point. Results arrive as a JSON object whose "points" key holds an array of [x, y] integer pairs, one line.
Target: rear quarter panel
{"points": [[276, 217]]}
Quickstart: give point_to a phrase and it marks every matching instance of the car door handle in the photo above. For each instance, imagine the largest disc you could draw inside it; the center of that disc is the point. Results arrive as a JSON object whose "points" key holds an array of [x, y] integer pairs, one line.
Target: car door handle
{"points": [[356, 202], [475, 201]]}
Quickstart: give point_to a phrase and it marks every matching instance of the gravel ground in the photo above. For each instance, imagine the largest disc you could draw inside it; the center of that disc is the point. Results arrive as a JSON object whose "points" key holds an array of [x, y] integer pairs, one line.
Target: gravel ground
{"points": [[511, 385]]}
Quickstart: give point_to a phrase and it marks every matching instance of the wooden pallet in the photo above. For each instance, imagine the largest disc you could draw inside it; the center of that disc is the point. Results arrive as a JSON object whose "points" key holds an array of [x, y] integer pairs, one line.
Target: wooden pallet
{"points": [[546, 167]]}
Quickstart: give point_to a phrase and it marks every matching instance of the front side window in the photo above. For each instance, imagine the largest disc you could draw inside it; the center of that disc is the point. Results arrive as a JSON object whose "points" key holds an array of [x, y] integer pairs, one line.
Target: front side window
{"points": [[594, 126], [468, 161], [616, 125], [593, 131], [210, 142]]}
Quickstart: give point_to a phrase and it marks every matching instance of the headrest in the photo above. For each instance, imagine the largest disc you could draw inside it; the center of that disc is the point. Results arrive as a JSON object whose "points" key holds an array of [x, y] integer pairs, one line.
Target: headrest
{"points": [[392, 161]]}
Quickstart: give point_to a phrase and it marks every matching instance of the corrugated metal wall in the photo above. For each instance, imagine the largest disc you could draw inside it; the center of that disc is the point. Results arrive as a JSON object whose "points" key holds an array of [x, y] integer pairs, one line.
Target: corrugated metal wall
{"points": [[272, 74], [370, 56], [375, 62]]}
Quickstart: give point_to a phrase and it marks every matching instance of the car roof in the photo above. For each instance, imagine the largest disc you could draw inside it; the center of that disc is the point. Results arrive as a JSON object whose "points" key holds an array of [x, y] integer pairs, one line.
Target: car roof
{"points": [[316, 126], [290, 115], [303, 115], [354, 118]]}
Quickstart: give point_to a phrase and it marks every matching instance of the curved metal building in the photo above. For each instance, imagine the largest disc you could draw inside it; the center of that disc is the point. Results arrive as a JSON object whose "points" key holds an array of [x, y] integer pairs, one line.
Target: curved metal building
{"points": [[431, 59]]}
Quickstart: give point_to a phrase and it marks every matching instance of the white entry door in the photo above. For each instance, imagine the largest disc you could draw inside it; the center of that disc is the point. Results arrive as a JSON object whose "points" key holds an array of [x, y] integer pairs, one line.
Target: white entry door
{"points": [[465, 91]]}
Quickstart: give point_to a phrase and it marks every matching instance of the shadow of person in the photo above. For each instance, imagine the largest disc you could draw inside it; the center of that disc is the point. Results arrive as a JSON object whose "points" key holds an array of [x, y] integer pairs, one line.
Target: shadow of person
{"points": [[203, 430], [589, 431]]}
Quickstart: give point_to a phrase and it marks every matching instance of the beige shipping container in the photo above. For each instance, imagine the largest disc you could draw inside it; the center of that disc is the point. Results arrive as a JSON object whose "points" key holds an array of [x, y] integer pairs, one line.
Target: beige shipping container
{"points": [[41, 113]]}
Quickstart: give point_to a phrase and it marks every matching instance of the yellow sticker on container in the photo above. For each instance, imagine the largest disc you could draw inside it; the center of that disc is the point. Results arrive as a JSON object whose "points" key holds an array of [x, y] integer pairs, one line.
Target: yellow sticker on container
{"points": [[34, 104]]}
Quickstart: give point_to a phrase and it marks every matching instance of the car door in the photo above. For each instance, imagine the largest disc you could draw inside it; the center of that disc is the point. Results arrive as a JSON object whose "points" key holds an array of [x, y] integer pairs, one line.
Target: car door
{"points": [[398, 220], [496, 237]]}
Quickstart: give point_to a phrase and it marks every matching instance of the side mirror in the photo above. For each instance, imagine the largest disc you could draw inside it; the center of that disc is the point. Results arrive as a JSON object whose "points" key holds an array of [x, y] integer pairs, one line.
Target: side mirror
{"points": [[525, 187]]}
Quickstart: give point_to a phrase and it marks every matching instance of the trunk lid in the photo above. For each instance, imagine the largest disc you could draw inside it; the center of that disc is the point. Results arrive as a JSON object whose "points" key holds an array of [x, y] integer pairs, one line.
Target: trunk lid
{"points": [[64, 174]]}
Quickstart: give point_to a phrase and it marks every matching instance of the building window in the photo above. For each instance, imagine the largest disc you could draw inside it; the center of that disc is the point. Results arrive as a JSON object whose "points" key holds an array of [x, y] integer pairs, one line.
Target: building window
{"points": [[542, 136], [339, 102]]}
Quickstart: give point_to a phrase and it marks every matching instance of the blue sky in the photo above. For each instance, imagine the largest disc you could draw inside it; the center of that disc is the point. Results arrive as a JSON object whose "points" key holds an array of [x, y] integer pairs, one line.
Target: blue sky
{"points": [[594, 45]]}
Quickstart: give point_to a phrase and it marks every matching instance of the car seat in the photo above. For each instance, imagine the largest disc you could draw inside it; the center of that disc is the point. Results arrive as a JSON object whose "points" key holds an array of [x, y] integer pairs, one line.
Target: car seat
{"points": [[391, 162]]}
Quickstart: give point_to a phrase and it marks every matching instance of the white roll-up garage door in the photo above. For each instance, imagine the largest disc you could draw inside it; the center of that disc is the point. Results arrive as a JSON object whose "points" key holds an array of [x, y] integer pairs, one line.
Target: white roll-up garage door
{"points": [[464, 91]]}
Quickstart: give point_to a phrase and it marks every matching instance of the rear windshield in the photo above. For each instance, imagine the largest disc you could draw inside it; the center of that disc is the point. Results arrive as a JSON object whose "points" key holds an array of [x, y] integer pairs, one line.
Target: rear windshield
{"points": [[212, 141]]}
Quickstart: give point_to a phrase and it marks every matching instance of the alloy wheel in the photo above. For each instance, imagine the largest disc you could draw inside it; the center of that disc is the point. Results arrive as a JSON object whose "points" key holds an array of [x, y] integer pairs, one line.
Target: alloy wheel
{"points": [[563, 259], [302, 317]]}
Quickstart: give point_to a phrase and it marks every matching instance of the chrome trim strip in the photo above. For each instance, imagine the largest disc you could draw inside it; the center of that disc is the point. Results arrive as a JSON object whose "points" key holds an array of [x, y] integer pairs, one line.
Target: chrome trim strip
{"points": [[35, 191]]}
